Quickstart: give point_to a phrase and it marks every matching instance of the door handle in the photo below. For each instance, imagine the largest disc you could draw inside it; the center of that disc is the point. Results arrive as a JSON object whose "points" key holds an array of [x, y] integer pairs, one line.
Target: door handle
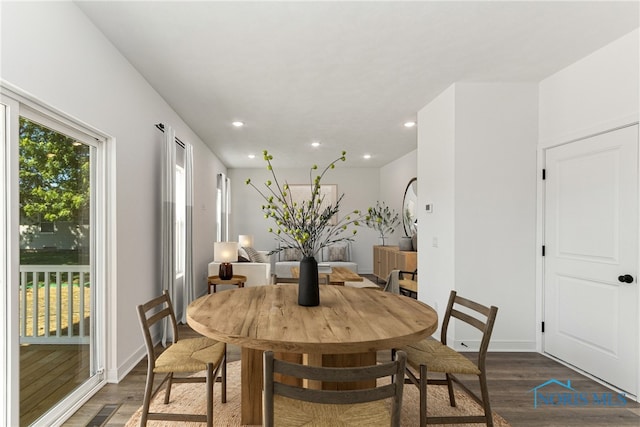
{"points": [[627, 278]]}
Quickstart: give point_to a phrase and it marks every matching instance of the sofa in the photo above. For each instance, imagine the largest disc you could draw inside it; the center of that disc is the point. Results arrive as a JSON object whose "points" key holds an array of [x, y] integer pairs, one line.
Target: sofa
{"points": [[336, 255], [256, 269]]}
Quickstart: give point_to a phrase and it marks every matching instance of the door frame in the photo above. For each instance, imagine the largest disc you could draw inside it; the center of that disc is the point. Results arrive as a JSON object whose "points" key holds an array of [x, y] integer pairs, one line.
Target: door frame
{"points": [[540, 233], [103, 217]]}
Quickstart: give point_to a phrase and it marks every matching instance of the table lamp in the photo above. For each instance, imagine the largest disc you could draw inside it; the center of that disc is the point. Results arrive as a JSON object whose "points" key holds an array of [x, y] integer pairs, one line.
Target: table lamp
{"points": [[245, 240], [225, 253]]}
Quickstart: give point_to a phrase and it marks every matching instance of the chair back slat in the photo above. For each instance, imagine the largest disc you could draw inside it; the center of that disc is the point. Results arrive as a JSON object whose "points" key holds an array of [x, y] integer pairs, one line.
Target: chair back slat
{"points": [[335, 397], [472, 305], [155, 318], [478, 324], [154, 302], [485, 325]]}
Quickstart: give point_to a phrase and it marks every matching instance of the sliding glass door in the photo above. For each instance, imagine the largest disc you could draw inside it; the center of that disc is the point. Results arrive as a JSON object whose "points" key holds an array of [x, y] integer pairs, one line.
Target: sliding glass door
{"points": [[56, 266]]}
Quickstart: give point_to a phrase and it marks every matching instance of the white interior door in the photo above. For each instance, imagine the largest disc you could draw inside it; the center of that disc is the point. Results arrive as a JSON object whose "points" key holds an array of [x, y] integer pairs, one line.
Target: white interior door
{"points": [[591, 240]]}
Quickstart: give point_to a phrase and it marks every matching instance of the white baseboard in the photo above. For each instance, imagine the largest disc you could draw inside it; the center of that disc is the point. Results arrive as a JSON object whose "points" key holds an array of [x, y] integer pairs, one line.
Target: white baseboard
{"points": [[502, 346], [117, 375]]}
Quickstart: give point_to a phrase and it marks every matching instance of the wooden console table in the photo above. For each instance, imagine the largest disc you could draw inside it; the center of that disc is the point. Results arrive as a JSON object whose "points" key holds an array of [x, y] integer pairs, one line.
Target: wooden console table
{"points": [[387, 258]]}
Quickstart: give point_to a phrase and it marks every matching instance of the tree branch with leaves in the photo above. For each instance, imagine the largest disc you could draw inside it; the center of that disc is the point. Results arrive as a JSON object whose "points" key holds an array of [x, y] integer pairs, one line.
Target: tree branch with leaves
{"points": [[305, 225]]}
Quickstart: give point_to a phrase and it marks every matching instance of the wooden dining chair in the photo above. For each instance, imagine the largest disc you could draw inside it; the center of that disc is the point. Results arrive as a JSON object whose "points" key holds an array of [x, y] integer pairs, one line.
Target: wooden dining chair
{"points": [[408, 282], [430, 355], [185, 356], [286, 405]]}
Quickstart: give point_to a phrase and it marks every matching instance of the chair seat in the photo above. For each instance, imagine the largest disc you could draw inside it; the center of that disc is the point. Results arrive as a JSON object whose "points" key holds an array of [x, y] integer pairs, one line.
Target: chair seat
{"points": [[409, 284], [438, 358], [291, 412], [190, 355]]}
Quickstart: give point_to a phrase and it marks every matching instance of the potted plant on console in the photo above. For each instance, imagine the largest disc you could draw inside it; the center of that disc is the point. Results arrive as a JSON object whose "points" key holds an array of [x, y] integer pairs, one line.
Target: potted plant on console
{"points": [[383, 219], [305, 225]]}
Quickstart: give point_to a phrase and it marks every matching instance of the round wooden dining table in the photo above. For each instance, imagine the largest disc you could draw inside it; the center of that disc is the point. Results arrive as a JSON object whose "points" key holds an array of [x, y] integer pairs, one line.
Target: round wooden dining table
{"points": [[346, 329]]}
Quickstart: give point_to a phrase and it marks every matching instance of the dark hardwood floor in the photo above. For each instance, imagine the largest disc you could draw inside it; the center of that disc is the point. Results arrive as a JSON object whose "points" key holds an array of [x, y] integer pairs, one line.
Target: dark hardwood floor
{"points": [[511, 377]]}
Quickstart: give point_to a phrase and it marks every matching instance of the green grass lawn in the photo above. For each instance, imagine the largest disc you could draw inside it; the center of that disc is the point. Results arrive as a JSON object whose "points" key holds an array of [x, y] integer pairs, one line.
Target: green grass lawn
{"points": [[57, 257], [48, 257]]}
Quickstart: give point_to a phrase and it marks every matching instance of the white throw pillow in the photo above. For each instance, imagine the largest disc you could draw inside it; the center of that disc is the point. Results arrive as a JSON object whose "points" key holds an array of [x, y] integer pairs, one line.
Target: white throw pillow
{"points": [[255, 256]]}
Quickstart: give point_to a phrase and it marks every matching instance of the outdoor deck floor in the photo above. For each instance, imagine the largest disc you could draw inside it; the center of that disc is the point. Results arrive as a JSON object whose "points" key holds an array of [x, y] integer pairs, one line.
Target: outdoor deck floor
{"points": [[47, 374]]}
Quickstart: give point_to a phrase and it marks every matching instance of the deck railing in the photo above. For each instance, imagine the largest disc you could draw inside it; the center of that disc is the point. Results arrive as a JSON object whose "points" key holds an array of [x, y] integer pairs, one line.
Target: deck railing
{"points": [[55, 304]]}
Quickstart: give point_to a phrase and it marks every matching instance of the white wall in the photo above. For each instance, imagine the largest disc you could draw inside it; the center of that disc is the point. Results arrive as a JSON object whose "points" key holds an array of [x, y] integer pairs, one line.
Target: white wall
{"points": [[477, 143], [394, 178], [597, 93], [52, 51], [436, 186], [359, 185]]}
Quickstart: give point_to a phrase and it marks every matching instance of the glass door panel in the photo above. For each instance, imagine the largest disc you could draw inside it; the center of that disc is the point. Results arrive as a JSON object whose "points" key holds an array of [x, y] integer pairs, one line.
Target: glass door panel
{"points": [[56, 267]]}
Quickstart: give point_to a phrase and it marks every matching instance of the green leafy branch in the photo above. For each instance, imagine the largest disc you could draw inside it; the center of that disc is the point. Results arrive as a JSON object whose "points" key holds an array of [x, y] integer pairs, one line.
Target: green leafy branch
{"points": [[382, 219], [305, 225]]}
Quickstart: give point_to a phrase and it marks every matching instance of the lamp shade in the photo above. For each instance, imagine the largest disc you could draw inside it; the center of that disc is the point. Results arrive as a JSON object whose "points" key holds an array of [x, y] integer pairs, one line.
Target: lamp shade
{"points": [[225, 251], [245, 240]]}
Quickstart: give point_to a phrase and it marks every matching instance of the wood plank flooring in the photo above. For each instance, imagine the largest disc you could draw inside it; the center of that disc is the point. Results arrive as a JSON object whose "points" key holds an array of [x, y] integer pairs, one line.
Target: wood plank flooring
{"points": [[511, 378], [47, 374]]}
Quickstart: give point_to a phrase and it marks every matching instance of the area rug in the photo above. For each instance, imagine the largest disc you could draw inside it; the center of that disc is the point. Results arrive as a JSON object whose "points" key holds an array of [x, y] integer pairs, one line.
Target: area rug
{"points": [[191, 398]]}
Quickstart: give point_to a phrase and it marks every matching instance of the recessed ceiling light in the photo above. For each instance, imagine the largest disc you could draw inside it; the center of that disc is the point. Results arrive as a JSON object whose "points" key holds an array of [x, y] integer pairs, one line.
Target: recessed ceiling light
{"points": [[409, 124], [237, 124], [252, 156], [367, 156], [315, 144]]}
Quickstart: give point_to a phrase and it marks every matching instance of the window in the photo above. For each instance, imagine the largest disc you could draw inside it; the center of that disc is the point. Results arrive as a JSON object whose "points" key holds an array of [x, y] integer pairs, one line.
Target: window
{"points": [[223, 198], [47, 227], [181, 234]]}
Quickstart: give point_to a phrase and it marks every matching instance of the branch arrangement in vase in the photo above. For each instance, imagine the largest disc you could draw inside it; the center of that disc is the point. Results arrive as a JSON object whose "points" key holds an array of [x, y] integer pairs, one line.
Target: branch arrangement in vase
{"points": [[305, 225], [382, 219]]}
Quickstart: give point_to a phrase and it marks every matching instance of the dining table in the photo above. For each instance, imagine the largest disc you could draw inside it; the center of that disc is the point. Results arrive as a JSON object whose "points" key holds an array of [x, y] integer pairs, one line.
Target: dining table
{"points": [[347, 329]]}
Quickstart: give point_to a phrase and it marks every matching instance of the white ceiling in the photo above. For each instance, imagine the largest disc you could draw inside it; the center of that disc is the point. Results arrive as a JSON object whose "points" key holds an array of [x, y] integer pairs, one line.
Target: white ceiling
{"points": [[348, 74]]}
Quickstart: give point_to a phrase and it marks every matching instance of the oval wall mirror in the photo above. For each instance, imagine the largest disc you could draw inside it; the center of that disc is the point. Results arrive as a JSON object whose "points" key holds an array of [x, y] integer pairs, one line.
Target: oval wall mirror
{"points": [[409, 207]]}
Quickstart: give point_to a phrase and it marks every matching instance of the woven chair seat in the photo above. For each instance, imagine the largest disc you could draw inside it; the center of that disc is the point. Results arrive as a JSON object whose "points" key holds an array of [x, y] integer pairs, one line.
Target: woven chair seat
{"points": [[190, 355], [438, 358], [292, 412]]}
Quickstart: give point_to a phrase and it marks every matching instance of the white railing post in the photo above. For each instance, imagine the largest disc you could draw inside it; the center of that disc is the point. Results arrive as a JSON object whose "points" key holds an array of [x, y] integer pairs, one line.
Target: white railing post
{"points": [[53, 335], [47, 303], [58, 304], [81, 303], [34, 304]]}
